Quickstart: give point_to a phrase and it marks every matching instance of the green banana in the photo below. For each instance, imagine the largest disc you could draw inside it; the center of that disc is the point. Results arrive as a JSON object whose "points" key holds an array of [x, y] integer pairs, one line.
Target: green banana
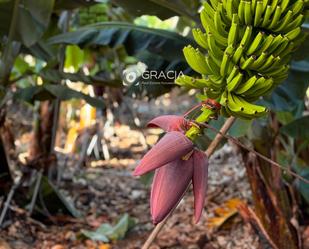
{"points": [[229, 9], [215, 68], [233, 33], [233, 73], [296, 23], [262, 91], [293, 34], [213, 47], [297, 7], [220, 26], [256, 43], [258, 13], [284, 22], [266, 44], [247, 63], [249, 44], [241, 11], [233, 84], [259, 83], [242, 108], [238, 53], [200, 38], [275, 18], [281, 47], [195, 59], [265, 3], [259, 61], [277, 42], [247, 85], [225, 63], [284, 4], [266, 19], [246, 37], [190, 82], [267, 63], [248, 13]]}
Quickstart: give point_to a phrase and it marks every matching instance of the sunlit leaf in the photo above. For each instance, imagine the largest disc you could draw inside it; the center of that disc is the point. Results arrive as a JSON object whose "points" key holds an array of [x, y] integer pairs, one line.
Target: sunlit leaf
{"points": [[224, 213]]}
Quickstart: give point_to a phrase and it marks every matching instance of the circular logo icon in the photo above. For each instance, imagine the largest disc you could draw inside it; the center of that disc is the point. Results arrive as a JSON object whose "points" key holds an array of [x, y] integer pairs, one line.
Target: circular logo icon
{"points": [[129, 77]]}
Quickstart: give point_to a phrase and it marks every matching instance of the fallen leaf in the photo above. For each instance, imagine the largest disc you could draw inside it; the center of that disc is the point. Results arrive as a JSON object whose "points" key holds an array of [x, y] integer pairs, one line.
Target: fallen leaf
{"points": [[224, 213], [105, 246], [4, 244], [58, 247]]}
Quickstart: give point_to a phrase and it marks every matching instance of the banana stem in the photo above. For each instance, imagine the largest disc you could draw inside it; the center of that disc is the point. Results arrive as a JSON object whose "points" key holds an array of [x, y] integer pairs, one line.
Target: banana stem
{"points": [[211, 149], [205, 116]]}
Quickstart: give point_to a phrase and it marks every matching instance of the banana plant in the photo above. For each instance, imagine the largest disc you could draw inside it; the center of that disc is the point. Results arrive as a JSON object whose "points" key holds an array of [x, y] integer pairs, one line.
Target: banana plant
{"points": [[249, 46]]}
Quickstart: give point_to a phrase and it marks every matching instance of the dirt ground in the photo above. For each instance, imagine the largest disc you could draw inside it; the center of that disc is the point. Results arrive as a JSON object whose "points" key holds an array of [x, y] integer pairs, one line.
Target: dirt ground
{"points": [[103, 190]]}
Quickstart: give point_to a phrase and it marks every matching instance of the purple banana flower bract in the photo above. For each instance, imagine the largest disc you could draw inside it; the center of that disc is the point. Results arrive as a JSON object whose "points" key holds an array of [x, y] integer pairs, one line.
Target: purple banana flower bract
{"points": [[172, 146], [199, 180], [173, 172], [169, 123], [169, 185]]}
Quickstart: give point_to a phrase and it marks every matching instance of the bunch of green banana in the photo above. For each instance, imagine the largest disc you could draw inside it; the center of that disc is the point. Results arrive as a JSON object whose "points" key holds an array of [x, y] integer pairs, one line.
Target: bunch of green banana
{"points": [[93, 14], [249, 46]]}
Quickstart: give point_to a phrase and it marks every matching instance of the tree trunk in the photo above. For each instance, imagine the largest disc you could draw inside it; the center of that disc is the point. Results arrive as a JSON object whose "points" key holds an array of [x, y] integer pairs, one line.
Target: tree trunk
{"points": [[40, 156], [6, 147], [271, 199]]}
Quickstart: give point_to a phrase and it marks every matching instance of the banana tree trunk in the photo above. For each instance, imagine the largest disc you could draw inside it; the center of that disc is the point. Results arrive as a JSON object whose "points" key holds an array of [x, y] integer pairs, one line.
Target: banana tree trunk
{"points": [[5, 175], [7, 147], [40, 156], [272, 204]]}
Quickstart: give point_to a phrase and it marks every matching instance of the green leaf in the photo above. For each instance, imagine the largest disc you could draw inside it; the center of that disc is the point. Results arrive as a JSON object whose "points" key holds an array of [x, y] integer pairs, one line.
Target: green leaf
{"points": [[106, 232], [289, 96], [40, 50], [302, 66], [48, 91], [54, 76], [284, 117], [134, 38], [147, 178], [240, 128], [73, 4], [55, 201], [74, 57], [298, 128], [64, 93], [304, 187], [97, 236], [161, 8], [32, 20]]}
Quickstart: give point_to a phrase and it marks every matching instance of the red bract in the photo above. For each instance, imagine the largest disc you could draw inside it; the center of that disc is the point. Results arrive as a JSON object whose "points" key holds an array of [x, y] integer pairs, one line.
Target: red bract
{"points": [[176, 163], [172, 146], [169, 123], [169, 185], [199, 180]]}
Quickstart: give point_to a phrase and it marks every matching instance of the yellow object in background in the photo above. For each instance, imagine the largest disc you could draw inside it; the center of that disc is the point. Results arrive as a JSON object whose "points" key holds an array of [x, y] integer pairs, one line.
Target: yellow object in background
{"points": [[71, 139], [87, 116]]}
